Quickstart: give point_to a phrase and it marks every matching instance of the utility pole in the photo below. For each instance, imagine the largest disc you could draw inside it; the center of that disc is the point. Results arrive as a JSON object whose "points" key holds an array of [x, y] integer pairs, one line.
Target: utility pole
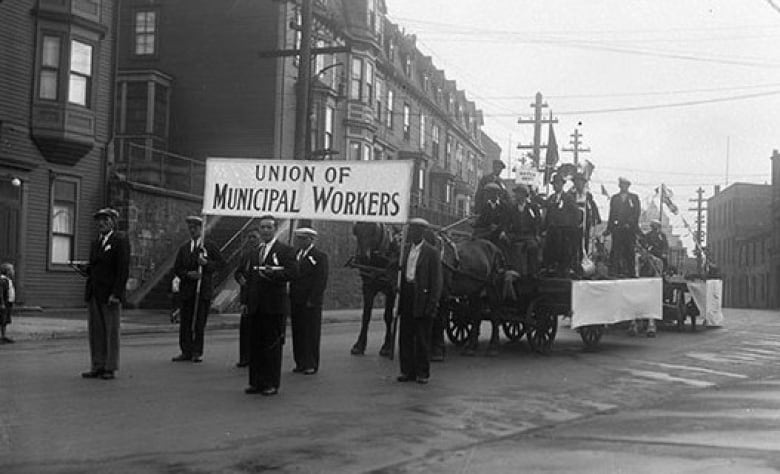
{"points": [[537, 122], [575, 142], [698, 236], [300, 151]]}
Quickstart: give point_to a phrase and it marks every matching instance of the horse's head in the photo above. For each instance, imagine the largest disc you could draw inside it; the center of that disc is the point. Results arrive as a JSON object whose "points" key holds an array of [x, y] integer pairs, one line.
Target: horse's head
{"points": [[374, 240]]}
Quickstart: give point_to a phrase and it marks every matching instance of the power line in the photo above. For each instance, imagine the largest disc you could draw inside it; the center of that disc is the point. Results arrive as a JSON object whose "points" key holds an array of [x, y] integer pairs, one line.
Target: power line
{"points": [[639, 94]]}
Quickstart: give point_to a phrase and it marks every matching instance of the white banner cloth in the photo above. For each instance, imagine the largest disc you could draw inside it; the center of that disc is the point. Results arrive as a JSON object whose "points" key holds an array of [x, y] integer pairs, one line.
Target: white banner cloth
{"points": [[368, 191], [612, 301], [707, 296]]}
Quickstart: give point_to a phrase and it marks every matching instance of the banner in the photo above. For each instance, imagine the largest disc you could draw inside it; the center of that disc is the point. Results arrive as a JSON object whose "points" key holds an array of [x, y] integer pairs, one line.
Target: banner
{"points": [[525, 175], [371, 191]]}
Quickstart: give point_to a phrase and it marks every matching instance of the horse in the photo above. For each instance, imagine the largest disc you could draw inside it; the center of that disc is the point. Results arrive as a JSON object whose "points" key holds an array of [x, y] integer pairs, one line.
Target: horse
{"points": [[472, 273], [377, 259]]}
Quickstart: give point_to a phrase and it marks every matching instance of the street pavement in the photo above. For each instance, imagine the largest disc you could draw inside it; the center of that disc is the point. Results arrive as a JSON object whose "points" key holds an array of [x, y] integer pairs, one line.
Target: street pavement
{"points": [[707, 401]]}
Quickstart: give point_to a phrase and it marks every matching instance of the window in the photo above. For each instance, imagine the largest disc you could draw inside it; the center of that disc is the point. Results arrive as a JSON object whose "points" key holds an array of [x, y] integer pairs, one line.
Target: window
{"points": [[390, 100], [50, 65], [371, 20], [354, 151], [378, 154], [366, 153], [447, 192], [319, 59], [80, 73], [369, 96], [435, 141], [378, 100], [422, 131], [63, 220], [328, 135], [448, 153], [408, 65], [356, 83], [407, 122], [391, 50], [421, 180], [145, 32]]}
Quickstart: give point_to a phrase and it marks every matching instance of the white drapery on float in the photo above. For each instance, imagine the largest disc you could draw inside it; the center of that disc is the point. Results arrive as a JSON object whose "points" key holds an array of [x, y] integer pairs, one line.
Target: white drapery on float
{"points": [[612, 301], [707, 296]]}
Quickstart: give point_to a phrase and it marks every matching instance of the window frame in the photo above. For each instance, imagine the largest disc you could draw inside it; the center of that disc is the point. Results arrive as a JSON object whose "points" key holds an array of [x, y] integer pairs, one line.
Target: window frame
{"points": [[50, 263], [88, 78], [390, 101], [327, 135], [154, 33], [57, 69], [407, 128], [422, 131], [356, 79]]}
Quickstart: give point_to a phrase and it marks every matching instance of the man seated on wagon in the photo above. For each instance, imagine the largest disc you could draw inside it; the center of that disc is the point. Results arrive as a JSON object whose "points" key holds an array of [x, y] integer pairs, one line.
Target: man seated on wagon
{"points": [[656, 243], [492, 219], [561, 226], [523, 232]]}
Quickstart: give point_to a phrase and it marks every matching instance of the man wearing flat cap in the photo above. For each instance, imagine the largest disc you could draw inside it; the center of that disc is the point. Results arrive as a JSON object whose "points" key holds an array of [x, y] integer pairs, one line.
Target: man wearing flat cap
{"points": [[493, 217], [421, 286], [195, 265], [306, 301], [656, 243], [525, 218], [623, 225], [107, 273], [480, 197]]}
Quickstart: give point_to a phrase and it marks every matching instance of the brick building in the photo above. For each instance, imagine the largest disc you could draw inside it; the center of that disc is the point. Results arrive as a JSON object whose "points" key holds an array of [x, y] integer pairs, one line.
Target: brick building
{"points": [[56, 88], [192, 84], [738, 220]]}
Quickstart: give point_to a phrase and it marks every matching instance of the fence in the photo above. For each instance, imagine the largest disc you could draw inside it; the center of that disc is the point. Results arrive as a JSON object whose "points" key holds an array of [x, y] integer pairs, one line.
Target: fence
{"points": [[146, 165]]}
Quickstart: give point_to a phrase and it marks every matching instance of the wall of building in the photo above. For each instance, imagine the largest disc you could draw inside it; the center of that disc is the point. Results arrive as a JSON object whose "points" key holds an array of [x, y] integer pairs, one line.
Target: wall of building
{"points": [[40, 282]]}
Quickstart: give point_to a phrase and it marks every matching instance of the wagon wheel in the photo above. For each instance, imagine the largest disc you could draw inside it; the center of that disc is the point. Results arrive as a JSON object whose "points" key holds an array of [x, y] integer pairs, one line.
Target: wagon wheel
{"points": [[543, 327], [591, 335], [513, 330], [459, 327]]}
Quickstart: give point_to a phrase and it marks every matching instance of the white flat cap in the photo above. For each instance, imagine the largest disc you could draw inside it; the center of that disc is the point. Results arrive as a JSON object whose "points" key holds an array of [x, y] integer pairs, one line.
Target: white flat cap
{"points": [[306, 231]]}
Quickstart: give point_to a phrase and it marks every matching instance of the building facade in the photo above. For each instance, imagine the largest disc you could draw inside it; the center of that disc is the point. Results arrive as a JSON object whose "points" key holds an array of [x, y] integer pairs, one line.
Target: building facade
{"points": [[200, 78], [738, 220], [57, 67]]}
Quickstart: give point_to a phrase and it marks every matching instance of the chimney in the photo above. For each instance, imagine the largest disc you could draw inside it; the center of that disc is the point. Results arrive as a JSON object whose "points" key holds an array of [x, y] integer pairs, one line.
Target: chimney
{"points": [[716, 189]]}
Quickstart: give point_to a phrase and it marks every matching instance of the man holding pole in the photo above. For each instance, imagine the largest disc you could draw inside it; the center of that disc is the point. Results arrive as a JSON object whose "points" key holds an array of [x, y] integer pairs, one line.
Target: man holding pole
{"points": [[195, 264]]}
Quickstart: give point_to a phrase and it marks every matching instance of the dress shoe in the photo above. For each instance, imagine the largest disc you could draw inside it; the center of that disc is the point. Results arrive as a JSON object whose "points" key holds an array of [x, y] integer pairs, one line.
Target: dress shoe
{"points": [[197, 359], [267, 392], [309, 371], [92, 374], [405, 378], [252, 390], [422, 380], [297, 370], [241, 364], [181, 358], [107, 375]]}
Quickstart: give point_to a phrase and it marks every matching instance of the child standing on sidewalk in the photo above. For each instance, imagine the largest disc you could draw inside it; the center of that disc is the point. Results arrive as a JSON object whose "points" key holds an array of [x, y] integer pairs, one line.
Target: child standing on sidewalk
{"points": [[7, 299]]}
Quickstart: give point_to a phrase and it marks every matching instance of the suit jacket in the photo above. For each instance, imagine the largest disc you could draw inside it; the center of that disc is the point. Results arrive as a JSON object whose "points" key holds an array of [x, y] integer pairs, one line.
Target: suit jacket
{"points": [[589, 208], [427, 284], [309, 286], [561, 210], [624, 215], [524, 224], [108, 268], [479, 197], [187, 261], [268, 295]]}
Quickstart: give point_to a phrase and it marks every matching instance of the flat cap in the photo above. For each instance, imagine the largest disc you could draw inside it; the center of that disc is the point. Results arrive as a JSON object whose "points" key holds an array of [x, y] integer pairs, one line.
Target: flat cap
{"points": [[419, 221], [106, 212], [193, 220], [492, 186], [622, 180], [306, 231], [499, 163]]}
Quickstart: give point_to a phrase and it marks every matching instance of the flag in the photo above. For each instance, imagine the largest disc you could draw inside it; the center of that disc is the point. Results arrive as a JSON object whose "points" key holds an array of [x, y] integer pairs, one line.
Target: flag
{"points": [[587, 169], [666, 196], [604, 191], [551, 156]]}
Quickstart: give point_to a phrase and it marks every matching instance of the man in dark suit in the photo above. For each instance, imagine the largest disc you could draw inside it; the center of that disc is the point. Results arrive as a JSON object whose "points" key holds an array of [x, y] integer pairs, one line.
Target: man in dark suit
{"points": [[523, 233], [421, 286], [480, 196], [560, 226], [195, 265], [265, 274], [251, 244], [107, 273], [623, 225], [306, 301]]}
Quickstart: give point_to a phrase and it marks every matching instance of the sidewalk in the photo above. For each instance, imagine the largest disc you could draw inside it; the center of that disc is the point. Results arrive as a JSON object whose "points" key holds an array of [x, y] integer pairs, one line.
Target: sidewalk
{"points": [[40, 324]]}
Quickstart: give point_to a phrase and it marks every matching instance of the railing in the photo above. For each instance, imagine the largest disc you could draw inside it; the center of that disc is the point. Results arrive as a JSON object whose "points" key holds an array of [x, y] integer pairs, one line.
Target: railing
{"points": [[146, 165]]}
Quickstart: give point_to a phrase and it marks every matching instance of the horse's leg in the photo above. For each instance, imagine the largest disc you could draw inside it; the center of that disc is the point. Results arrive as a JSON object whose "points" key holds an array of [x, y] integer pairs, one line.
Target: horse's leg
{"points": [[437, 334], [368, 305], [494, 338], [387, 346], [475, 317], [650, 327], [633, 330]]}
